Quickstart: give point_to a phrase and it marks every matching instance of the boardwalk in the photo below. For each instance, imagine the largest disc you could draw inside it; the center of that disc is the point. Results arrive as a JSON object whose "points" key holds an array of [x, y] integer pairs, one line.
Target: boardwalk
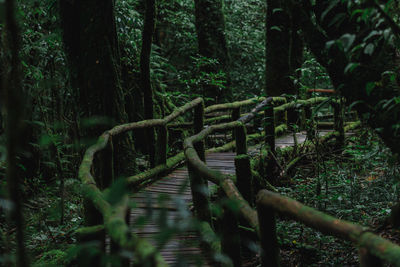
{"points": [[165, 204]]}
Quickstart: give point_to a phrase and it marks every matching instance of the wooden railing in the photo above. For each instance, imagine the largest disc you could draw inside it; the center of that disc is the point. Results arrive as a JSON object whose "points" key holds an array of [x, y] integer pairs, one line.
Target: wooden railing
{"points": [[112, 219], [373, 249]]}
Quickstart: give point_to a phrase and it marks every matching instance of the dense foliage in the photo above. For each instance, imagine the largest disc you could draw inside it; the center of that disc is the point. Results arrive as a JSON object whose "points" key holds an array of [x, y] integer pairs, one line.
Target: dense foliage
{"points": [[76, 83]]}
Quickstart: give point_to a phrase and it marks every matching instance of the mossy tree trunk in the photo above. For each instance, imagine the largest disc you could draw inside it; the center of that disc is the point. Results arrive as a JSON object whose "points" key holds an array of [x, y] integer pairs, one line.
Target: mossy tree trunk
{"points": [[148, 94], [91, 44], [284, 48], [318, 27], [16, 128], [210, 28], [277, 50], [90, 40]]}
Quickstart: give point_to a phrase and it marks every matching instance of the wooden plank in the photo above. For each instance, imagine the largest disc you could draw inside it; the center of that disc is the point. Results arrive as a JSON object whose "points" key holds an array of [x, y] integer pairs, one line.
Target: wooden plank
{"points": [[176, 187]]}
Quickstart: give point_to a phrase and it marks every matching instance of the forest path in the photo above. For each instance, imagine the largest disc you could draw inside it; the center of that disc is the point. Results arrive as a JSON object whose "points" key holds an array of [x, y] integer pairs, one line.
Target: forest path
{"points": [[165, 204]]}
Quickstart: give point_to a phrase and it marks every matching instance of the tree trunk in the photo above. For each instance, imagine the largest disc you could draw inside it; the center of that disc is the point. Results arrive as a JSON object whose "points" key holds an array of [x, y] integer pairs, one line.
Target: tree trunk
{"points": [[368, 85], [15, 130], [210, 28], [90, 40], [277, 50], [91, 44], [148, 94]]}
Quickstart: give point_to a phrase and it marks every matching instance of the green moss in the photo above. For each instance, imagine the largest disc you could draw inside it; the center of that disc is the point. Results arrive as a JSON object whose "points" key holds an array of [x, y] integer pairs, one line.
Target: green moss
{"points": [[89, 230], [52, 258]]}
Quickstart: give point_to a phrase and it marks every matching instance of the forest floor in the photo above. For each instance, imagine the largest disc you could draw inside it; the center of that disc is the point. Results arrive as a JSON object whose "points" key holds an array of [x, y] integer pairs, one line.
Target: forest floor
{"points": [[359, 184]]}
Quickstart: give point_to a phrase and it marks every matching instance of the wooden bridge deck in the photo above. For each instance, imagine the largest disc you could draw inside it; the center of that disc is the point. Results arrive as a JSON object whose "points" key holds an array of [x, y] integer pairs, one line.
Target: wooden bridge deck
{"points": [[165, 205]]}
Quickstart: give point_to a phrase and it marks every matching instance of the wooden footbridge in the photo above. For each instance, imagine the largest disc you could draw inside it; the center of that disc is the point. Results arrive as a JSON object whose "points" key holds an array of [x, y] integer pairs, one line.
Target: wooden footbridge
{"points": [[173, 220]]}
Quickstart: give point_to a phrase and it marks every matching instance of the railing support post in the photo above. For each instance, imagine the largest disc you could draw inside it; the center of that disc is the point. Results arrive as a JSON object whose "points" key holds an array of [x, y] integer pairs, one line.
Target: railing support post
{"points": [[241, 140], [104, 175], [151, 142], [235, 116], [162, 145], [230, 243], [107, 174], [309, 122], [338, 117], [269, 241], [367, 259], [269, 126], [243, 177], [198, 125], [198, 184], [242, 165]]}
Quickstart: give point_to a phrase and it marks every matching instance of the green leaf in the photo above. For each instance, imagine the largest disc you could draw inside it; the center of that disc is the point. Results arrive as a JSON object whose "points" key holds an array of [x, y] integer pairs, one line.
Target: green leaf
{"points": [[369, 87], [369, 49], [277, 10], [350, 67], [276, 28], [330, 7], [347, 41]]}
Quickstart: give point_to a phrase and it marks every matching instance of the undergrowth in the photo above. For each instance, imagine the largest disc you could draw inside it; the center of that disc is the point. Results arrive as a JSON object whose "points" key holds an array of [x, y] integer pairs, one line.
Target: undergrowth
{"points": [[359, 184]]}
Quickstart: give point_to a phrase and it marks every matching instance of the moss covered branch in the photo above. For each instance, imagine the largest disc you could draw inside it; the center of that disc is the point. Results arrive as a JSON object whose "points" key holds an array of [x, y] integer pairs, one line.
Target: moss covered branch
{"points": [[155, 122], [243, 103], [329, 225]]}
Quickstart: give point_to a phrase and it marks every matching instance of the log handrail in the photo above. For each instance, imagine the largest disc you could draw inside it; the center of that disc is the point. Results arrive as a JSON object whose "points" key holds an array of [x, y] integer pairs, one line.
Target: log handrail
{"points": [[326, 91], [371, 245], [114, 215], [225, 181]]}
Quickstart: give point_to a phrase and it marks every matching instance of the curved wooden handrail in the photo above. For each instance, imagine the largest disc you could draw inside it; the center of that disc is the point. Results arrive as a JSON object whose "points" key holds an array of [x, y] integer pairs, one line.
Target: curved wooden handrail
{"points": [[269, 202], [225, 181], [327, 91], [372, 247], [238, 104], [114, 216]]}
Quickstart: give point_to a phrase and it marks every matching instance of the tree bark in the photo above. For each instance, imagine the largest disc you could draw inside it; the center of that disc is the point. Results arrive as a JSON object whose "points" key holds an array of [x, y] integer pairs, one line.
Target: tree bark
{"points": [[15, 130], [91, 44], [377, 107], [210, 28], [148, 94]]}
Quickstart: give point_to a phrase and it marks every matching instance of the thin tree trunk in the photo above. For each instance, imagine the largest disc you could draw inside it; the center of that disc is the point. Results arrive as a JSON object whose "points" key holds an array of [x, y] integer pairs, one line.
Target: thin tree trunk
{"points": [[148, 94], [210, 28], [16, 127], [278, 69]]}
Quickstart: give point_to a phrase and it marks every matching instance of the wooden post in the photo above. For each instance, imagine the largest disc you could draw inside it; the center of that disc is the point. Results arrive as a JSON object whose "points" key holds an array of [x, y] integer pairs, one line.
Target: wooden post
{"points": [[268, 239], [269, 127], [198, 185], [90, 237], [338, 117], [243, 177], [116, 249], [241, 140], [151, 145], [106, 166], [98, 238], [230, 242], [235, 116], [162, 145], [198, 125], [367, 259], [104, 176], [309, 122]]}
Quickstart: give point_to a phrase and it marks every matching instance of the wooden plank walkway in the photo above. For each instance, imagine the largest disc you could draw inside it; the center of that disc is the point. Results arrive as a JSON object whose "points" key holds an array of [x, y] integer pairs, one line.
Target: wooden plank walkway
{"points": [[162, 209]]}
